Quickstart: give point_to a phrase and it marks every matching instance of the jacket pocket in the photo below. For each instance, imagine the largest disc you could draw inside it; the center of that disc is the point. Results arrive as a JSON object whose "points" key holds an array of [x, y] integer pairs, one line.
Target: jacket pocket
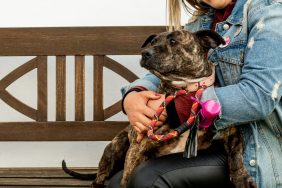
{"points": [[230, 60]]}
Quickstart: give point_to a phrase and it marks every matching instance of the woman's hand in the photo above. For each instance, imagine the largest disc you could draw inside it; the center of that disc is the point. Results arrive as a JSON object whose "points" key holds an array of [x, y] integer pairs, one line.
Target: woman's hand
{"points": [[155, 104], [140, 108]]}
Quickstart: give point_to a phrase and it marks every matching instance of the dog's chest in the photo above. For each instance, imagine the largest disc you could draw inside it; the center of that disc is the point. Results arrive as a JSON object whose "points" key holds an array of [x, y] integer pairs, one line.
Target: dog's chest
{"points": [[175, 146]]}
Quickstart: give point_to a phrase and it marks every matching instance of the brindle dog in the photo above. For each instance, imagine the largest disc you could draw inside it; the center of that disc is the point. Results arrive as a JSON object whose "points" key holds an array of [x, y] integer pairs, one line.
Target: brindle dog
{"points": [[177, 58]]}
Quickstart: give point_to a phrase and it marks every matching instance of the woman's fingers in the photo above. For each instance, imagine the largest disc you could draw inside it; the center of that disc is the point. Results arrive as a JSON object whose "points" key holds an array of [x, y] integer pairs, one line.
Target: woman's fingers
{"points": [[162, 117], [149, 112], [136, 128], [159, 123], [150, 95], [142, 128], [141, 108], [139, 137]]}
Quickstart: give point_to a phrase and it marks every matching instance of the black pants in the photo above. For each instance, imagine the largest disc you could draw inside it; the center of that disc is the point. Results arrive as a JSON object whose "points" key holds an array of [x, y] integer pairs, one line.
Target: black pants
{"points": [[208, 169]]}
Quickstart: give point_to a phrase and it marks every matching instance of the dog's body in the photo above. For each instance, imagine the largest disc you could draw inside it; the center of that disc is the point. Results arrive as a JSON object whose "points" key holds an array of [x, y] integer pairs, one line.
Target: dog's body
{"points": [[177, 58]]}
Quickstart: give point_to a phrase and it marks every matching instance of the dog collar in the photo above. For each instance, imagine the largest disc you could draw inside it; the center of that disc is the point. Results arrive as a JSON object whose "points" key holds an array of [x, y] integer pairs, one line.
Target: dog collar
{"points": [[187, 83]]}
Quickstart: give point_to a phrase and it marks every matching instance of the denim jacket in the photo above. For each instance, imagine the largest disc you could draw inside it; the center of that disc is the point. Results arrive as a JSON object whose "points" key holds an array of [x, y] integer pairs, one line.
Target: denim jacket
{"points": [[249, 71]]}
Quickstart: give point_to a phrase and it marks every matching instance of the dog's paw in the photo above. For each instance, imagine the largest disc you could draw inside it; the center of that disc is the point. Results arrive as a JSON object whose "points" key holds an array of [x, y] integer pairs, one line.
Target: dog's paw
{"points": [[95, 185]]}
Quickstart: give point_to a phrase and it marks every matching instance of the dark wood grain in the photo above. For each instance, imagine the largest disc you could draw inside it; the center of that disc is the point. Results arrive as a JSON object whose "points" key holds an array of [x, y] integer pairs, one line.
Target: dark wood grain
{"points": [[42, 88], [41, 177], [79, 88], [37, 172], [74, 40], [98, 88], [60, 88], [58, 182], [60, 131]]}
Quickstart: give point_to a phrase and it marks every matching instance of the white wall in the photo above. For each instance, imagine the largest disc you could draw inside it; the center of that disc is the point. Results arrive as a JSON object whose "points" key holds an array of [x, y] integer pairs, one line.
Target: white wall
{"points": [[33, 13], [49, 13]]}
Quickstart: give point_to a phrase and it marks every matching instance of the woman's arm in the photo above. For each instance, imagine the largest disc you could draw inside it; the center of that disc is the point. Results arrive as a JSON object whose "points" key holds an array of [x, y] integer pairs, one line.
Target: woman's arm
{"points": [[149, 82], [259, 90], [140, 102]]}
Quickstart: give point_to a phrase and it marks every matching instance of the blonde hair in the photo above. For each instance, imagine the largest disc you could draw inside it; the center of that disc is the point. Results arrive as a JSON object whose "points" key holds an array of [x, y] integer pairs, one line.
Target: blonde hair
{"points": [[174, 15], [174, 11]]}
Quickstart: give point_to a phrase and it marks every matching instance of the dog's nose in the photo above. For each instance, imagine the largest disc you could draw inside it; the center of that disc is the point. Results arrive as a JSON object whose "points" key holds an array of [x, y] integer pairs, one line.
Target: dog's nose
{"points": [[147, 54]]}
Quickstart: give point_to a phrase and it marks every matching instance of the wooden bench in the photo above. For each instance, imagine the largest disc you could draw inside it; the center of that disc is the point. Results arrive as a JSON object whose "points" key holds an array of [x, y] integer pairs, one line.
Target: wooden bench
{"points": [[61, 42]]}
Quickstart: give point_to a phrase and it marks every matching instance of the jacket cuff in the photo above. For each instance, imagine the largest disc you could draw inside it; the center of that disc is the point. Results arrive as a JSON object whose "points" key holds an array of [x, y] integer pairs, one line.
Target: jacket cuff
{"points": [[148, 84]]}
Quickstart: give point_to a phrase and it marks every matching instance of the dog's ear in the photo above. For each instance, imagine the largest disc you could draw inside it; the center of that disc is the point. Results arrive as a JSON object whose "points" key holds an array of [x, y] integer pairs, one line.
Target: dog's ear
{"points": [[209, 39], [148, 40]]}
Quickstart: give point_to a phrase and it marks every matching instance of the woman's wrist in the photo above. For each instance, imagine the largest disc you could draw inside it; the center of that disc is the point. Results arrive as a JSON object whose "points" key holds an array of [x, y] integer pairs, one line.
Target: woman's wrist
{"points": [[125, 95]]}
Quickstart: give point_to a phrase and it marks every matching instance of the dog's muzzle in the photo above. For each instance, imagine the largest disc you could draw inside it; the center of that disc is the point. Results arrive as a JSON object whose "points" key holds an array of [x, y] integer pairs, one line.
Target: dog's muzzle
{"points": [[147, 54]]}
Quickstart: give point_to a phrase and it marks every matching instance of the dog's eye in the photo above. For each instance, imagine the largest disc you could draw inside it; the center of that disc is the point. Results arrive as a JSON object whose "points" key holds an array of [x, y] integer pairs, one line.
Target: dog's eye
{"points": [[172, 42], [154, 41]]}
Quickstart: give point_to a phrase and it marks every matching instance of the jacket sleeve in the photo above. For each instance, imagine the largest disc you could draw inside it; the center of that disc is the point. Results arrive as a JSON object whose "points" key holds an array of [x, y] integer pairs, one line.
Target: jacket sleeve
{"points": [[259, 89], [149, 82]]}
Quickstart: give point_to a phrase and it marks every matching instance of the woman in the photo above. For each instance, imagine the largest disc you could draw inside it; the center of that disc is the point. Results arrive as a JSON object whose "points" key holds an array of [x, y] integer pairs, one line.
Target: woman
{"points": [[249, 73]]}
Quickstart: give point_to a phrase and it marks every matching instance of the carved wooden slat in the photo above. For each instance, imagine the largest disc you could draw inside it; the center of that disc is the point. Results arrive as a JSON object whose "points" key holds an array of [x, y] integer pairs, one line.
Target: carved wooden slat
{"points": [[60, 88], [125, 73], [120, 69], [79, 88], [17, 73], [18, 105], [74, 40], [10, 99], [98, 88], [42, 88], [60, 131], [112, 110]]}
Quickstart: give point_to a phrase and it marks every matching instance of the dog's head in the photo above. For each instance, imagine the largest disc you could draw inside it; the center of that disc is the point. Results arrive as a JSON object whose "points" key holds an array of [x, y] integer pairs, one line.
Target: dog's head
{"points": [[179, 53]]}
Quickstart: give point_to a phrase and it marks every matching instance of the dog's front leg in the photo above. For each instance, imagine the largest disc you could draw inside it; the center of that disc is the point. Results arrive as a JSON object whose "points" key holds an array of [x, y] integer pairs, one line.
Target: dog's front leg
{"points": [[135, 156], [112, 157]]}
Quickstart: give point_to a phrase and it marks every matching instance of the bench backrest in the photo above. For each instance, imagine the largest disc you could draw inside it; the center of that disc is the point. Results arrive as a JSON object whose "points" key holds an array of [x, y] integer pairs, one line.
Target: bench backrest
{"points": [[60, 42]]}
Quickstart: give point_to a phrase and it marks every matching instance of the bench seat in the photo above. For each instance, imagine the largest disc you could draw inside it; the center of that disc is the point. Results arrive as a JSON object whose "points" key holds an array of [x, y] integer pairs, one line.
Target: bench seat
{"points": [[41, 177]]}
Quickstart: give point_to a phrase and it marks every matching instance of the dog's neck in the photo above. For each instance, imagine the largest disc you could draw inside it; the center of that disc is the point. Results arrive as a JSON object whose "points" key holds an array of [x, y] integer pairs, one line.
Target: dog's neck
{"points": [[181, 83], [173, 83], [167, 88]]}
